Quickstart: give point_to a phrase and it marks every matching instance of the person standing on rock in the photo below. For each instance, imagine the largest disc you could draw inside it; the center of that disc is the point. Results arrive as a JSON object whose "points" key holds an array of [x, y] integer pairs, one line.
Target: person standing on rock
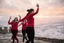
{"points": [[30, 26], [14, 28]]}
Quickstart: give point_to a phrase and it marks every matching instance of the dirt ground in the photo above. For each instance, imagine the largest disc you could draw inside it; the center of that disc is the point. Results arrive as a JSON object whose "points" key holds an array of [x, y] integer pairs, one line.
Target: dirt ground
{"points": [[8, 40]]}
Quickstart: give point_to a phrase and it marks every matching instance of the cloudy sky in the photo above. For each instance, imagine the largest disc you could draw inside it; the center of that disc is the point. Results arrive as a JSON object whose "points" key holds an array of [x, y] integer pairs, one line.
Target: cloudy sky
{"points": [[50, 10]]}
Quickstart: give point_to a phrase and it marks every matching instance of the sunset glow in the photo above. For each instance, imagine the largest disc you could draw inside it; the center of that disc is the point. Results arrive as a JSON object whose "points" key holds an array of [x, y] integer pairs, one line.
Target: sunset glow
{"points": [[49, 9]]}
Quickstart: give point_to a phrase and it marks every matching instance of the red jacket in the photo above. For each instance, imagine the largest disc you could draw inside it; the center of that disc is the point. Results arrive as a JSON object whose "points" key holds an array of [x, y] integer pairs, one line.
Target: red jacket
{"points": [[23, 26], [30, 18], [14, 25]]}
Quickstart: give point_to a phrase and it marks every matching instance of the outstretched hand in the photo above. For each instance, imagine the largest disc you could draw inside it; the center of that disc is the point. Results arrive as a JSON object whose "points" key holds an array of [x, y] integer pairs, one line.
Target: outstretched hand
{"points": [[37, 5]]}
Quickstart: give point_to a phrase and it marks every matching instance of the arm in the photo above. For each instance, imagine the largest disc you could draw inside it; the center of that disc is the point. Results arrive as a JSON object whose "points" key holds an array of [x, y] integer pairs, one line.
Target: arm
{"points": [[19, 18], [20, 24], [22, 19], [9, 21], [32, 14], [23, 22], [37, 9]]}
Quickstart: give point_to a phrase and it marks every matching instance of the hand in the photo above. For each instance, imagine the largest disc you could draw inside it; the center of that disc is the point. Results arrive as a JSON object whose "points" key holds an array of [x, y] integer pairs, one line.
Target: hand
{"points": [[19, 16], [37, 5], [10, 18]]}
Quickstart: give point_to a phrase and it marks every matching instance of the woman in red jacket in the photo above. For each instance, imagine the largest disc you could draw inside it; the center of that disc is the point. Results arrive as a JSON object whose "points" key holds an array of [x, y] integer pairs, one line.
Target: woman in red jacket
{"points": [[30, 25], [24, 23], [14, 28]]}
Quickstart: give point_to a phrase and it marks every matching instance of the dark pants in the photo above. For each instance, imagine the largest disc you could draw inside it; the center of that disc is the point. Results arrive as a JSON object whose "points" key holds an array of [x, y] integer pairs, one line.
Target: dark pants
{"points": [[24, 35], [14, 34], [30, 34]]}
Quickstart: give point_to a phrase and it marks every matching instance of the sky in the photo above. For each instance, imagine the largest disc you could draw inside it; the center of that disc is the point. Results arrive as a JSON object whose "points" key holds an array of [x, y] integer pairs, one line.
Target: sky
{"points": [[49, 10]]}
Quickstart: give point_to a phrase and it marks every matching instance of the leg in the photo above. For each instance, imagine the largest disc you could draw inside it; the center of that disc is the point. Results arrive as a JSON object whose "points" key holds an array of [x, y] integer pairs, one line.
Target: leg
{"points": [[12, 31], [12, 37], [32, 36], [24, 35], [12, 34], [17, 39], [15, 36], [13, 40], [27, 41], [30, 33]]}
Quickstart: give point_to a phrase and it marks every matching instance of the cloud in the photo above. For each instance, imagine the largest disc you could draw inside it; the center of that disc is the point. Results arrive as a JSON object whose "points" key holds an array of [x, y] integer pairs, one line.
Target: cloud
{"points": [[3, 19], [52, 11], [16, 4], [48, 8], [0, 1], [56, 2], [23, 4]]}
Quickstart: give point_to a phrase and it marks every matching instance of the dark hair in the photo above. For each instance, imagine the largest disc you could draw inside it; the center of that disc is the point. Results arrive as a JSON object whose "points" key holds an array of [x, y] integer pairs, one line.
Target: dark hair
{"points": [[30, 10], [15, 18]]}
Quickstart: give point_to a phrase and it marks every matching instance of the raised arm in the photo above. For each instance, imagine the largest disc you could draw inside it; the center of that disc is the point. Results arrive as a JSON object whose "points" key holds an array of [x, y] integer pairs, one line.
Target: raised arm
{"points": [[37, 9], [19, 18], [9, 21], [32, 14]]}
